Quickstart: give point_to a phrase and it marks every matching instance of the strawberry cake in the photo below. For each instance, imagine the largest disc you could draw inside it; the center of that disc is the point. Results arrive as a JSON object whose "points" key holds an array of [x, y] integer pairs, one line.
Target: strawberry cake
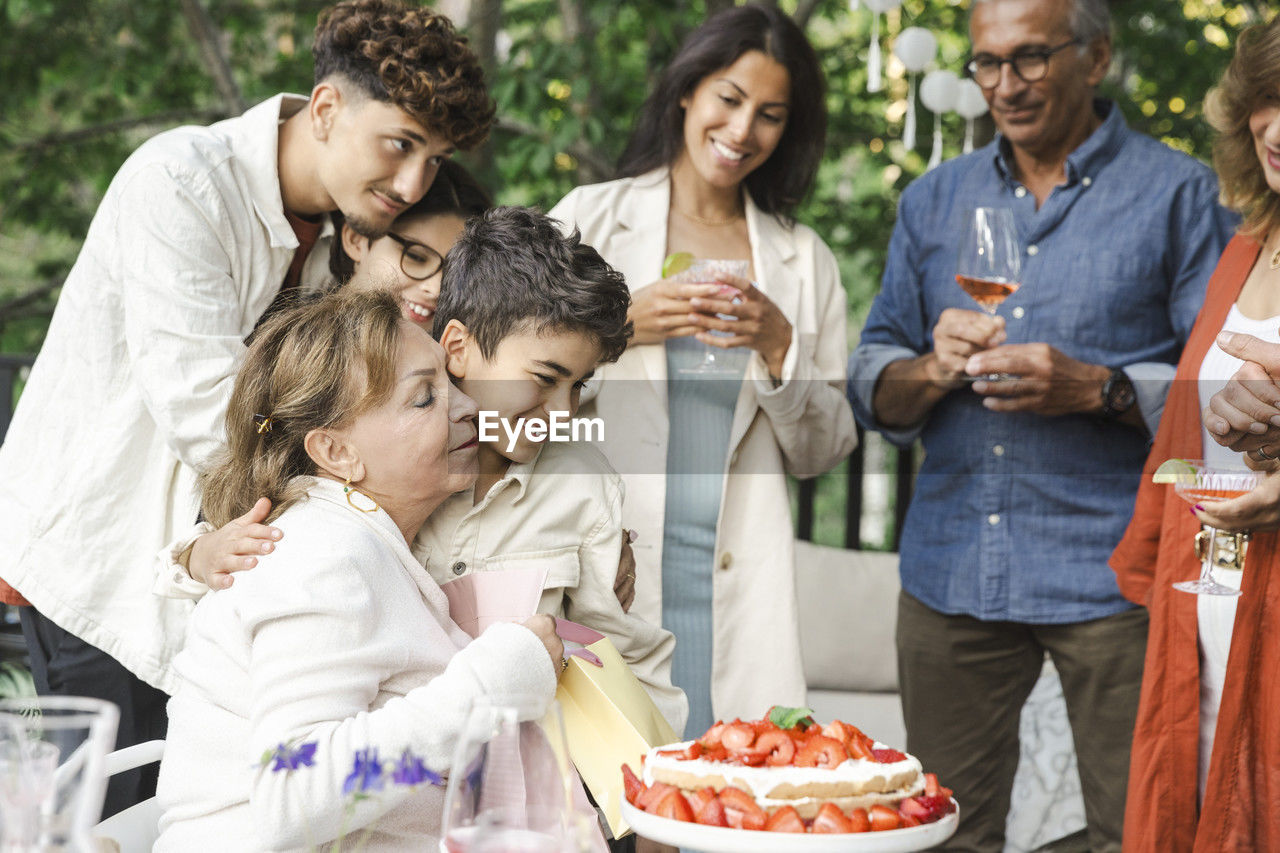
{"points": [[787, 773]]}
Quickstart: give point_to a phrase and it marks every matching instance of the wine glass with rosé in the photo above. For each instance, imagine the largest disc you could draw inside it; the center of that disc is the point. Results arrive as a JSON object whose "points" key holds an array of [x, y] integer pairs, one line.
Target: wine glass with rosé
{"points": [[1197, 482], [989, 263], [990, 258]]}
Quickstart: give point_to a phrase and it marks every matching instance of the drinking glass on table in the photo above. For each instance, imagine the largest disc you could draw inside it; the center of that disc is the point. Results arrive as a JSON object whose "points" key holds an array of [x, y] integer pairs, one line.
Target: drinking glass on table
{"points": [[989, 262], [704, 271], [1196, 482], [510, 787]]}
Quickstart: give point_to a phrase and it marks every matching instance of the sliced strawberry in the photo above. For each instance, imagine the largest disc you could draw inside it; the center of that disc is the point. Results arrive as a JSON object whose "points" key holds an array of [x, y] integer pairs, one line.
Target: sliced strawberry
{"points": [[913, 807], [860, 820], [837, 730], [883, 817], [931, 787], [778, 746], [712, 737], [674, 806], [649, 797], [860, 746], [631, 785], [785, 819], [738, 735], [906, 820], [741, 809], [933, 807], [700, 798], [748, 757], [831, 819], [888, 756], [715, 753], [711, 813], [820, 751]]}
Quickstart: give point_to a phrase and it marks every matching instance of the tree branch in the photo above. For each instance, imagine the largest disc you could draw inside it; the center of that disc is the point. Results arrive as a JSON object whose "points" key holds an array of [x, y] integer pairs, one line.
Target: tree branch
{"points": [[85, 134], [209, 39]]}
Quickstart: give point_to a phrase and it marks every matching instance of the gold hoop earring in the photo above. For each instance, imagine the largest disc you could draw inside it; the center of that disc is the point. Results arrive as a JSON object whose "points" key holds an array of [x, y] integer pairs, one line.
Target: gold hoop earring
{"points": [[350, 490]]}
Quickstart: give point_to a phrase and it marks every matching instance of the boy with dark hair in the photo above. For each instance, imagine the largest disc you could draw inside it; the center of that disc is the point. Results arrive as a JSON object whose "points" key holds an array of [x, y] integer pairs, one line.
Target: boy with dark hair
{"points": [[196, 236]]}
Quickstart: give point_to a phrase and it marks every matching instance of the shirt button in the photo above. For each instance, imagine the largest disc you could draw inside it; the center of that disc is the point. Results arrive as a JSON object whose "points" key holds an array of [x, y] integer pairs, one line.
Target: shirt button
{"points": [[1020, 192], [1019, 313], [1086, 181], [726, 560], [993, 519], [1033, 250], [998, 450], [459, 567]]}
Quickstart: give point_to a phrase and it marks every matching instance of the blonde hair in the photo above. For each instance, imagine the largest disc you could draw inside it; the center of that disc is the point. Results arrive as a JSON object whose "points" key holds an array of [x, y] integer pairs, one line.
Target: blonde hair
{"points": [[317, 365], [1254, 70]]}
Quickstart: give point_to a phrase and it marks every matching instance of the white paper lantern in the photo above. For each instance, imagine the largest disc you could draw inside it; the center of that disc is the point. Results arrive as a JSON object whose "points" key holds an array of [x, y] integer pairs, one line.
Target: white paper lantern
{"points": [[938, 92], [916, 47], [970, 104], [877, 8]]}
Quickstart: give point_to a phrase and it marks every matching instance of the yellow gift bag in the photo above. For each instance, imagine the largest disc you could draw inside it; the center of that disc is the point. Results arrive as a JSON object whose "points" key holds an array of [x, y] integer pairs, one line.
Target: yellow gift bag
{"points": [[609, 721]]}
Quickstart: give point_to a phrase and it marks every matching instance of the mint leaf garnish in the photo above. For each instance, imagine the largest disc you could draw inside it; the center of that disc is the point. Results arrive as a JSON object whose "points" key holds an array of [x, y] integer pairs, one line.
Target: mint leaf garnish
{"points": [[789, 718]]}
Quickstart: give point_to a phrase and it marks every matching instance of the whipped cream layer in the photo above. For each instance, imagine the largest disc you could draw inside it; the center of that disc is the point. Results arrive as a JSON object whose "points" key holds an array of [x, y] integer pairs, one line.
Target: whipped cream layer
{"points": [[859, 773]]}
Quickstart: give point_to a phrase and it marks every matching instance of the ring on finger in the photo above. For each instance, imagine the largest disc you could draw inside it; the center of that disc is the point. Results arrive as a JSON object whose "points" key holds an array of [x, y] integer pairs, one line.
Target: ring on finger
{"points": [[1262, 455]]}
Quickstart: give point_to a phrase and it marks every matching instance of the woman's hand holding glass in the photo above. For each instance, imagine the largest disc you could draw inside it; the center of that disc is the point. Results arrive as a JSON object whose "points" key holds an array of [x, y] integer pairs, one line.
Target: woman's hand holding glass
{"points": [[1259, 510], [662, 309], [760, 324]]}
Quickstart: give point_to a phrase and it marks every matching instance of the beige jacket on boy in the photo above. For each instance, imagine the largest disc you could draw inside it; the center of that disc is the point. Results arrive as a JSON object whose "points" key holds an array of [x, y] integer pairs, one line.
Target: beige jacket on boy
{"points": [[803, 427]]}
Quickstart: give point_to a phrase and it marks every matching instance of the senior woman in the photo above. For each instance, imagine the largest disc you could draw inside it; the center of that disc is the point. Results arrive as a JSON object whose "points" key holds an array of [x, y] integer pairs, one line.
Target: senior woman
{"points": [[1204, 771], [725, 148], [343, 416]]}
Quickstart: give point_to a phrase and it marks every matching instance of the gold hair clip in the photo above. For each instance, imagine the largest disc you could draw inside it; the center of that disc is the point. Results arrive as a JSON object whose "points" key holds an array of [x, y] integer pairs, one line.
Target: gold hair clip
{"points": [[263, 422]]}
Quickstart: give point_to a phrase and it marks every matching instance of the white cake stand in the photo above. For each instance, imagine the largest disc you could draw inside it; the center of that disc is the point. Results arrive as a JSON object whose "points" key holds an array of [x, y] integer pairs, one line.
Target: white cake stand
{"points": [[717, 839]]}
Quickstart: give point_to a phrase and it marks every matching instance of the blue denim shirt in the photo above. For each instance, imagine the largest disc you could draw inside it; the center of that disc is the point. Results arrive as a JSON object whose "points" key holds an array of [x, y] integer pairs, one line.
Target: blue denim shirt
{"points": [[1015, 514]]}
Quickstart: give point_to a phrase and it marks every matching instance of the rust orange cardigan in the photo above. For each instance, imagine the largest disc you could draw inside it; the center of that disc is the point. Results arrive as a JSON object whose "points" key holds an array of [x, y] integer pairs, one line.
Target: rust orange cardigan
{"points": [[1242, 798]]}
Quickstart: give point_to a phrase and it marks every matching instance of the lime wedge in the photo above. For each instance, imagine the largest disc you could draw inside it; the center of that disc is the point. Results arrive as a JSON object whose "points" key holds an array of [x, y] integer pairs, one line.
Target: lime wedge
{"points": [[676, 263], [1172, 470]]}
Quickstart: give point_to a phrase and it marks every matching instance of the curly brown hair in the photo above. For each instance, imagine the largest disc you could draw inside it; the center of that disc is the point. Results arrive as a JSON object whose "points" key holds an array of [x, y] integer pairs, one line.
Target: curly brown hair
{"points": [[1254, 72], [410, 57]]}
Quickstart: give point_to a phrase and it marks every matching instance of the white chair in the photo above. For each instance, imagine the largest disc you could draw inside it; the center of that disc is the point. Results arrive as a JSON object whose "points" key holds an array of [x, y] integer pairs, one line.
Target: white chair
{"points": [[135, 829]]}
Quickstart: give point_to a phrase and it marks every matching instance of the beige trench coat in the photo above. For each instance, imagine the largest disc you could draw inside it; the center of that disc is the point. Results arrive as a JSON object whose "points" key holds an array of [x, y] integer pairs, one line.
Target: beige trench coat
{"points": [[804, 427]]}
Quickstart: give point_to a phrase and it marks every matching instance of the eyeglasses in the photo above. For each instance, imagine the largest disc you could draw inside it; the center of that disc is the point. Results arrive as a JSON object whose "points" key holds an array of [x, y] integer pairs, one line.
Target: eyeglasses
{"points": [[1030, 65], [417, 260]]}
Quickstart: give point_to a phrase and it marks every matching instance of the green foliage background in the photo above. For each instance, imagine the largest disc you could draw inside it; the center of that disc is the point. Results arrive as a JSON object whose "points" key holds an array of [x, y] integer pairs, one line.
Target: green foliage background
{"points": [[87, 80]]}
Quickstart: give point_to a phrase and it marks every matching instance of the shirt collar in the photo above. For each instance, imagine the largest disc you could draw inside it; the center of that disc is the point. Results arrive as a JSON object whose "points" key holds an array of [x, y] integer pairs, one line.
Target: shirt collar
{"points": [[255, 137], [1098, 149]]}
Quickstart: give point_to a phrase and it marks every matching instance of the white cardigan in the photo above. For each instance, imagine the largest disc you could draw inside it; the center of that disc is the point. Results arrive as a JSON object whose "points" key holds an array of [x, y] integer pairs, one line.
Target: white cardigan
{"points": [[341, 637], [127, 398], [804, 427]]}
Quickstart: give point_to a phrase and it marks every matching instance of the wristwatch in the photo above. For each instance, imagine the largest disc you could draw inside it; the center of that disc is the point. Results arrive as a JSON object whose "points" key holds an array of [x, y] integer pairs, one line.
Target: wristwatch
{"points": [[1118, 395]]}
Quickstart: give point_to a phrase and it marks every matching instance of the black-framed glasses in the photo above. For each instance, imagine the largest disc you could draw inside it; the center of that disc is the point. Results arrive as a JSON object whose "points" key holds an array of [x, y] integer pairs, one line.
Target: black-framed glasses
{"points": [[1030, 64], [417, 260]]}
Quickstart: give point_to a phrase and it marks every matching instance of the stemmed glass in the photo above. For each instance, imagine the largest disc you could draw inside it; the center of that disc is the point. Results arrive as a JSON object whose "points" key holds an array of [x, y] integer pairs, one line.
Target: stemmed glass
{"points": [[989, 262], [1196, 482], [704, 271], [510, 788]]}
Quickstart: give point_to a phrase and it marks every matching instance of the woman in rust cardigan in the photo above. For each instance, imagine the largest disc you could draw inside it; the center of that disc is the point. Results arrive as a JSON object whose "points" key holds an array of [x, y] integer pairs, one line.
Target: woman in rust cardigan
{"points": [[1205, 768]]}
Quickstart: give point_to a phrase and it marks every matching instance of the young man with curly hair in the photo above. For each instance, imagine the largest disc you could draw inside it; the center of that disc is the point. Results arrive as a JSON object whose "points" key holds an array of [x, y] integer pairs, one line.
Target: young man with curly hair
{"points": [[199, 233]]}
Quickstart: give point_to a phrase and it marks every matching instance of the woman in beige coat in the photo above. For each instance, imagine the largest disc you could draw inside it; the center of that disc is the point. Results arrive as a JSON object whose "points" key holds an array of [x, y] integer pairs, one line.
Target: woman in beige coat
{"points": [[724, 149]]}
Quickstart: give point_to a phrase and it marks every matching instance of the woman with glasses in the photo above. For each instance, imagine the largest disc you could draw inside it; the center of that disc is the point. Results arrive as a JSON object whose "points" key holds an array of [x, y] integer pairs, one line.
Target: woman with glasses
{"points": [[408, 259]]}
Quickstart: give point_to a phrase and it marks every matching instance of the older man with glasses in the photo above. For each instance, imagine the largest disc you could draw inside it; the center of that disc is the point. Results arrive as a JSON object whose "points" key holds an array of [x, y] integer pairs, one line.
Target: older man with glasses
{"points": [[1035, 419]]}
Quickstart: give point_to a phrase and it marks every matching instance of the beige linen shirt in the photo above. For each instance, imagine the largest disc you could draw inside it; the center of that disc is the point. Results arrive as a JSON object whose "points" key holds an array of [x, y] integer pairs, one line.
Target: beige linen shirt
{"points": [[561, 512], [128, 394]]}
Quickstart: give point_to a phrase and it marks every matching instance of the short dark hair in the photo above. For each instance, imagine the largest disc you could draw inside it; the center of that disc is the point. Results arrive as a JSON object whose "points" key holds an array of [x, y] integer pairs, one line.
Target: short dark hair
{"points": [[410, 57], [780, 183], [514, 269], [454, 192]]}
